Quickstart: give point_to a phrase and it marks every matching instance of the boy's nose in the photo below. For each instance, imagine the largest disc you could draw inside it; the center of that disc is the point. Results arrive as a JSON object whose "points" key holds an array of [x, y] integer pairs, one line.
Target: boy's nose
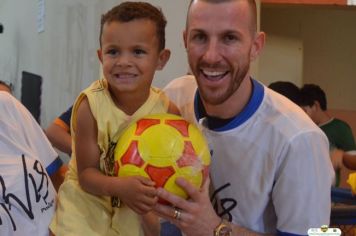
{"points": [[123, 60]]}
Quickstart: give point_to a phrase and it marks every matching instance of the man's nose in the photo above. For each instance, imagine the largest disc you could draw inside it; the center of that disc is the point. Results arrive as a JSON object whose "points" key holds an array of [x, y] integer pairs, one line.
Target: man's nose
{"points": [[212, 52]]}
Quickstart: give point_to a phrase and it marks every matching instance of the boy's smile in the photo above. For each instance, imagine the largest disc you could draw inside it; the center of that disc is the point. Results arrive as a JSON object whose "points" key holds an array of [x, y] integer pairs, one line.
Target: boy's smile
{"points": [[130, 56]]}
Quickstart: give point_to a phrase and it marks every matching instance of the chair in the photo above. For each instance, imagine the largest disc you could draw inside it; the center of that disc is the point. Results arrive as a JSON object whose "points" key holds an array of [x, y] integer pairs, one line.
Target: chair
{"points": [[343, 210], [31, 90]]}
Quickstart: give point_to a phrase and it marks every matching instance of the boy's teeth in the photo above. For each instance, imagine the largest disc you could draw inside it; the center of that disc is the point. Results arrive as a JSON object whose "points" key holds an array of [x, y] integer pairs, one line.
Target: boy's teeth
{"points": [[125, 76]]}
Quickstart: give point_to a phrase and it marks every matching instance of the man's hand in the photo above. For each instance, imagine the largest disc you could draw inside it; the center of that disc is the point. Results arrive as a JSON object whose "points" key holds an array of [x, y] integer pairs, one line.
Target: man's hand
{"points": [[197, 216]]}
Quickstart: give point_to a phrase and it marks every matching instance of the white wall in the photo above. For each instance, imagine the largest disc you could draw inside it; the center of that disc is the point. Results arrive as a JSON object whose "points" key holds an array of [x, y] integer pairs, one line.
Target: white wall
{"points": [[282, 59], [65, 53], [327, 36]]}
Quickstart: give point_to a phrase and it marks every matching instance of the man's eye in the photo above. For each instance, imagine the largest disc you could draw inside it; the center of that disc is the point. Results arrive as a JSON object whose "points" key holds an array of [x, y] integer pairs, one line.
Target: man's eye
{"points": [[199, 38], [139, 52], [230, 38]]}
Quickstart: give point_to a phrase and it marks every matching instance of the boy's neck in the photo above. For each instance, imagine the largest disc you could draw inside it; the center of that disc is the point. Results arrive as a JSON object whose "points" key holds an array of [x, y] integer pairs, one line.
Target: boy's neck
{"points": [[129, 102]]}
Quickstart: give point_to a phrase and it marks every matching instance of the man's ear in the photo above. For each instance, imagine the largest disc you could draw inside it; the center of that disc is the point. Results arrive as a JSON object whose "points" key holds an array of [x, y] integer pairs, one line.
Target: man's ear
{"points": [[257, 45], [100, 55], [185, 38], [164, 56]]}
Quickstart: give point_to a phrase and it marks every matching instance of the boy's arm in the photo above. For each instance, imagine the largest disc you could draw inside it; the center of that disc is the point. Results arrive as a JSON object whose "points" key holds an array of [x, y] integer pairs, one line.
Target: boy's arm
{"points": [[136, 192], [88, 153]]}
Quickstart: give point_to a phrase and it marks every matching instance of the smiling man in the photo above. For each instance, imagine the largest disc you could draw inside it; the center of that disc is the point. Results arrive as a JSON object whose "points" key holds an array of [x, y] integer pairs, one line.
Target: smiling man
{"points": [[270, 169]]}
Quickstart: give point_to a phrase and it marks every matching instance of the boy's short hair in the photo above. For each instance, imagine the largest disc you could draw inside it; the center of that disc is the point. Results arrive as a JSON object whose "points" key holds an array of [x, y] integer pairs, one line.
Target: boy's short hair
{"points": [[310, 93], [287, 89], [129, 11]]}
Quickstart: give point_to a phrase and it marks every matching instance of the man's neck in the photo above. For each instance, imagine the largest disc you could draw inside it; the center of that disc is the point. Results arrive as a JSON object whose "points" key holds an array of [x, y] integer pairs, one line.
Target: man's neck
{"points": [[234, 104]]}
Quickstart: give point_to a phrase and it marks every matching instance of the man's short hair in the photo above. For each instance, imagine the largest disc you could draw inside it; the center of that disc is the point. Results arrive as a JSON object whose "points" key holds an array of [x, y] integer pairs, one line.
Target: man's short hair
{"points": [[310, 93], [129, 11], [252, 4]]}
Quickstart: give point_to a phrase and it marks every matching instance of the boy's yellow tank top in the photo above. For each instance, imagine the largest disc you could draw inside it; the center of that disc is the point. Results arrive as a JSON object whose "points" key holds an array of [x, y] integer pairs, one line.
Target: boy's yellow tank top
{"points": [[78, 212], [111, 121]]}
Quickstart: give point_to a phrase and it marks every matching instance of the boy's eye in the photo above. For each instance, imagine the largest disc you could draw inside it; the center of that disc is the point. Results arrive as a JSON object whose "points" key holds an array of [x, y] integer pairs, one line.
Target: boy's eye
{"points": [[139, 52], [112, 52]]}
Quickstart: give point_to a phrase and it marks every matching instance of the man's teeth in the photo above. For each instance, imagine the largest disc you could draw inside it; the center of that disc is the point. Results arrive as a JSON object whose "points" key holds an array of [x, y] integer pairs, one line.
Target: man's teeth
{"points": [[214, 73]]}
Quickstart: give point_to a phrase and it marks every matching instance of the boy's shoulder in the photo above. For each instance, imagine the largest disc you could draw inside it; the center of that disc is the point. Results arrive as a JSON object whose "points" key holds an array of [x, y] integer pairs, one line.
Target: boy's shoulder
{"points": [[156, 90], [98, 85]]}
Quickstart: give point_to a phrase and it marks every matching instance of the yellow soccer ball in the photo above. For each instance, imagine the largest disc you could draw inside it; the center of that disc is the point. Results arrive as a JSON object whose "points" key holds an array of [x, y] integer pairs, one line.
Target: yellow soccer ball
{"points": [[163, 147]]}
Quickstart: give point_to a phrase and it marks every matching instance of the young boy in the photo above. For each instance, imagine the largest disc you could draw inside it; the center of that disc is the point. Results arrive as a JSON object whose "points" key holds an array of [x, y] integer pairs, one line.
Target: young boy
{"points": [[91, 200]]}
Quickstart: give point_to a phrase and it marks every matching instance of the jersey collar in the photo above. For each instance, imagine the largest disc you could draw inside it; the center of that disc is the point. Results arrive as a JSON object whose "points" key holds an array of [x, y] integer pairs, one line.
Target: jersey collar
{"points": [[250, 109]]}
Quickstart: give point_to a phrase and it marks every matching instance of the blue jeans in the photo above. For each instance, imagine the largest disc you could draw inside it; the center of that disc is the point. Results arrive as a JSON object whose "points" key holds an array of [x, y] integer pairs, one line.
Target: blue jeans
{"points": [[169, 229]]}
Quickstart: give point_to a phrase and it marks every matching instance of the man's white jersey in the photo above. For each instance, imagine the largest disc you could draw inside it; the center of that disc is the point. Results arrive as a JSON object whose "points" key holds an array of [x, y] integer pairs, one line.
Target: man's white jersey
{"points": [[270, 169]]}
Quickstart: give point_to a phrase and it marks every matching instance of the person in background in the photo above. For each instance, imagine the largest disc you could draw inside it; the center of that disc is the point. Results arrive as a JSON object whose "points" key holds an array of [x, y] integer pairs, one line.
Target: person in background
{"points": [[270, 171], [349, 159], [29, 172], [93, 200], [287, 89], [5, 87], [58, 132], [313, 101]]}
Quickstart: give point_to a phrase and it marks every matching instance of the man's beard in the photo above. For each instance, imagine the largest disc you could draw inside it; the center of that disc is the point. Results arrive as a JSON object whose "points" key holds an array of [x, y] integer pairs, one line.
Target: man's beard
{"points": [[221, 96]]}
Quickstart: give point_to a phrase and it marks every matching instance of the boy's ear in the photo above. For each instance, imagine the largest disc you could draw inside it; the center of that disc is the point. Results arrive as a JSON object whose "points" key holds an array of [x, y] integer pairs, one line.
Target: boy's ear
{"points": [[100, 55], [163, 58]]}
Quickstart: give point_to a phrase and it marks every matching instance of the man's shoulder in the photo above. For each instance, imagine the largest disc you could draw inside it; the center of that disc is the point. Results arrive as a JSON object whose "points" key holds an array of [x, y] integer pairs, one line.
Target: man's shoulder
{"points": [[181, 92], [277, 106], [182, 82], [286, 116]]}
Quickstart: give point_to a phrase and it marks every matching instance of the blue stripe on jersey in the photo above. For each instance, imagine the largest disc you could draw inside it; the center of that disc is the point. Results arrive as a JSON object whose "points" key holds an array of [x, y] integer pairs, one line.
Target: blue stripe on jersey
{"points": [[65, 116], [250, 108], [279, 233], [54, 166]]}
